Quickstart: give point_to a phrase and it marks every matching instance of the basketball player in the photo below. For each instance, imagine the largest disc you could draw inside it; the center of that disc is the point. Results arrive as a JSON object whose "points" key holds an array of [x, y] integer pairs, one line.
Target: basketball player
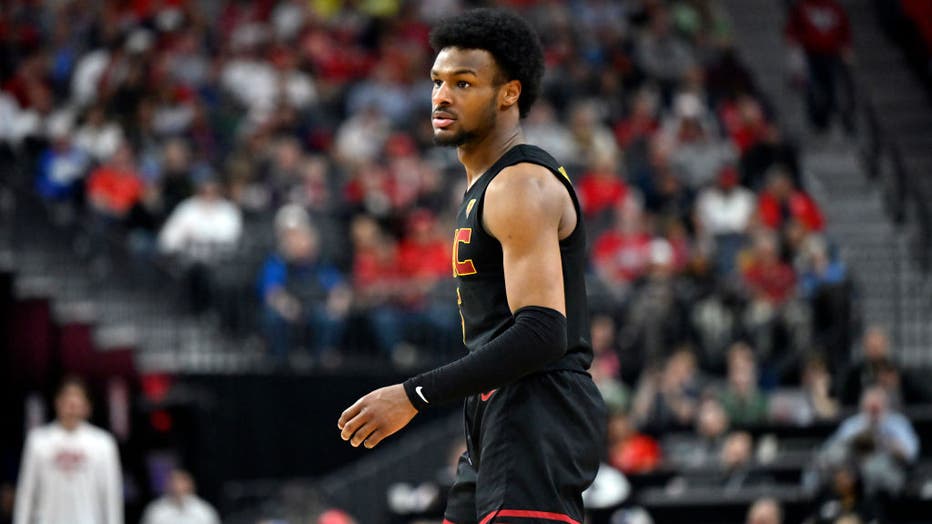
{"points": [[534, 418]]}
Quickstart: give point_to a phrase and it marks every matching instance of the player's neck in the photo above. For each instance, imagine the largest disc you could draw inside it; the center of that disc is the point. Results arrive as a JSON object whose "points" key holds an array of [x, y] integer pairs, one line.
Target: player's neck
{"points": [[477, 157]]}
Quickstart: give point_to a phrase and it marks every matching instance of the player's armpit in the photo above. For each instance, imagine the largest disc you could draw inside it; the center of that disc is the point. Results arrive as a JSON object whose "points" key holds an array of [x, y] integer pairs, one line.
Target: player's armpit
{"points": [[523, 209]]}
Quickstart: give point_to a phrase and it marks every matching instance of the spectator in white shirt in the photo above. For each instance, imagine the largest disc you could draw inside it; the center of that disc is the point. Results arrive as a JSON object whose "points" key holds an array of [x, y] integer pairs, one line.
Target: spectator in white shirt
{"points": [[723, 214], [179, 504], [70, 471], [203, 226], [201, 231]]}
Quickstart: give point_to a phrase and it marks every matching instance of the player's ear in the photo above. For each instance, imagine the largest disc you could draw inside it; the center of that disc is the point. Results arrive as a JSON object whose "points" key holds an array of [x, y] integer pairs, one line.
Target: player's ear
{"points": [[509, 93]]}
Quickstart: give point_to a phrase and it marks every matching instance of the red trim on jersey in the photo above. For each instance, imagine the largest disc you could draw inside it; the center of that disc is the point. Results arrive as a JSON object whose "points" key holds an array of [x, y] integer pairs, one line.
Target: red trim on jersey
{"points": [[445, 521], [526, 514]]}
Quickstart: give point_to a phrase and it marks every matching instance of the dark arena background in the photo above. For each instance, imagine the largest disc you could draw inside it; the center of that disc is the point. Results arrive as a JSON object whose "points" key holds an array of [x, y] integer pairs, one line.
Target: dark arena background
{"points": [[229, 219]]}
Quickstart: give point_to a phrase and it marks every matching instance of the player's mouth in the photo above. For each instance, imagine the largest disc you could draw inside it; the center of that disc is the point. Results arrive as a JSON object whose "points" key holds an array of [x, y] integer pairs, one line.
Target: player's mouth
{"points": [[441, 120]]}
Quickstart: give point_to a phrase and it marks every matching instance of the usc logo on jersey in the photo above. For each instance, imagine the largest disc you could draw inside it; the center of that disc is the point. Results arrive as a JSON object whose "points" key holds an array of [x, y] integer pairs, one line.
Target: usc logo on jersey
{"points": [[462, 268]]}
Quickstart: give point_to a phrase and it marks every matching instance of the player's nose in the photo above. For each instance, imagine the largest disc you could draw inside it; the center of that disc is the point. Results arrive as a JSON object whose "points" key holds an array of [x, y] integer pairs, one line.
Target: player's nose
{"points": [[440, 97]]}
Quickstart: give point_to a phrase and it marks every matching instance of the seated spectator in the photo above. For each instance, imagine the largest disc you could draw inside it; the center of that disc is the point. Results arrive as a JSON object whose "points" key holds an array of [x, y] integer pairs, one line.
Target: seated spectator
{"points": [[817, 386], [601, 189], [877, 367], [781, 202], [305, 301], [114, 188], [382, 289], [622, 253], [744, 122], [592, 139], [733, 469], [824, 282], [723, 214], [703, 447], [97, 136], [843, 498], [200, 232], [658, 316], [180, 504], [203, 227], [765, 511], [772, 149], [661, 53], [360, 138], [62, 168], [811, 403], [882, 441], [772, 311], [384, 88], [543, 129], [698, 155], [667, 399], [736, 463], [628, 450], [175, 180], [606, 368], [641, 123], [744, 403], [424, 260]]}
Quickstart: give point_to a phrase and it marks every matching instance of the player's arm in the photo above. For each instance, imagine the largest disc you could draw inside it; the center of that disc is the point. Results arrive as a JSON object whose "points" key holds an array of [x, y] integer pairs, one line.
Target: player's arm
{"points": [[523, 210]]}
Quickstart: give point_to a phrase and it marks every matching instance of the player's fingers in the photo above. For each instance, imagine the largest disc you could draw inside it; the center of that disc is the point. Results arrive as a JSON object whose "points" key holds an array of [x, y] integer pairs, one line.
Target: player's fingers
{"points": [[361, 434], [353, 425], [374, 438], [348, 414]]}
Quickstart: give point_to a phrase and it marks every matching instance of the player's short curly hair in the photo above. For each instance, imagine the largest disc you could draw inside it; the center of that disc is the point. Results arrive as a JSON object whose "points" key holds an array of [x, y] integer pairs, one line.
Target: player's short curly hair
{"points": [[507, 37]]}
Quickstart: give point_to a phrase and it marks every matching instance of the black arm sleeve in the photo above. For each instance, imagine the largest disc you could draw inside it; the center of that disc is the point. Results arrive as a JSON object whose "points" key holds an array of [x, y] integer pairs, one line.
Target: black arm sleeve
{"points": [[537, 338]]}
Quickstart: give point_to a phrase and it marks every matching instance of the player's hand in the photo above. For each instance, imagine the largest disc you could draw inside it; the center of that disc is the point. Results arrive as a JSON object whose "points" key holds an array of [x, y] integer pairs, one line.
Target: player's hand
{"points": [[376, 416]]}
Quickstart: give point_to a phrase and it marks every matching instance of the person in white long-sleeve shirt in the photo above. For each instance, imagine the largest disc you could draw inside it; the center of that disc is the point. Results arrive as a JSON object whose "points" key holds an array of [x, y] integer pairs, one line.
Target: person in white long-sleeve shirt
{"points": [[180, 505], [70, 471], [199, 233], [203, 226]]}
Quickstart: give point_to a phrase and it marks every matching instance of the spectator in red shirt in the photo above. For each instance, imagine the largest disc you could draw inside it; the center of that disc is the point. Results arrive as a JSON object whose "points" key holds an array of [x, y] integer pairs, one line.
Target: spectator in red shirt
{"points": [[744, 121], [629, 450], [769, 279], [397, 287], [781, 203], [424, 257], [622, 254], [601, 188], [641, 123], [115, 187], [822, 30], [772, 308]]}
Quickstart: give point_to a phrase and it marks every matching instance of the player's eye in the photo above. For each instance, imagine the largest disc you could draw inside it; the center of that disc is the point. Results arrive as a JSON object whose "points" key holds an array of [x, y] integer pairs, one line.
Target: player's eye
{"points": [[437, 82], [462, 84]]}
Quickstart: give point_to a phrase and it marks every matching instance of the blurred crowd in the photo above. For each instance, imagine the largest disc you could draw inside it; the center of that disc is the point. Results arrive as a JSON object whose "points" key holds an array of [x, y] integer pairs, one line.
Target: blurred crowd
{"points": [[287, 143], [186, 127]]}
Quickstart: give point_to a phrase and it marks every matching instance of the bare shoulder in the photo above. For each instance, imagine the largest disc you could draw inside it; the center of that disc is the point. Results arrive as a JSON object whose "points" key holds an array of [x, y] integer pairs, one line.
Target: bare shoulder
{"points": [[523, 194]]}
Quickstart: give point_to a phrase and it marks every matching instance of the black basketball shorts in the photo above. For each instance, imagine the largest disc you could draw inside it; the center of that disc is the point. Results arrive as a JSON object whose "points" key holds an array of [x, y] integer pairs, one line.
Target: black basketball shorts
{"points": [[532, 447]]}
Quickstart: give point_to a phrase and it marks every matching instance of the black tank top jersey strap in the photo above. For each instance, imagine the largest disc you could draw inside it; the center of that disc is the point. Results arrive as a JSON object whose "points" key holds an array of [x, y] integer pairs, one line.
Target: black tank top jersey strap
{"points": [[477, 266]]}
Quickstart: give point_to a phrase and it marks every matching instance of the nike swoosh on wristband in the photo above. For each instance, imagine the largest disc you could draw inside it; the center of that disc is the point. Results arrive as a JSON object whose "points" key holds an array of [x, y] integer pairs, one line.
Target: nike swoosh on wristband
{"points": [[421, 394]]}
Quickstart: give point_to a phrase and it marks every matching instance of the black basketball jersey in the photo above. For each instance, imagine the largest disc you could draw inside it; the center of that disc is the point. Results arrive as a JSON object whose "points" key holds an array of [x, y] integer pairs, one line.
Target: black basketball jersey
{"points": [[478, 267]]}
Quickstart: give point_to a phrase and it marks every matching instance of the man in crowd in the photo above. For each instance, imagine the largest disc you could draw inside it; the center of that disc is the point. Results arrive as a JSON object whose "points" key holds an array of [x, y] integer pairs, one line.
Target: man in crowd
{"points": [[70, 472], [180, 504]]}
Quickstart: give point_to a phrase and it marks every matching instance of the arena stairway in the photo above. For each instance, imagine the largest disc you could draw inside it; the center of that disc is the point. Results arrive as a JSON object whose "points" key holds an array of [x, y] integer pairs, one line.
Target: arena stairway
{"points": [[120, 303], [892, 290]]}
